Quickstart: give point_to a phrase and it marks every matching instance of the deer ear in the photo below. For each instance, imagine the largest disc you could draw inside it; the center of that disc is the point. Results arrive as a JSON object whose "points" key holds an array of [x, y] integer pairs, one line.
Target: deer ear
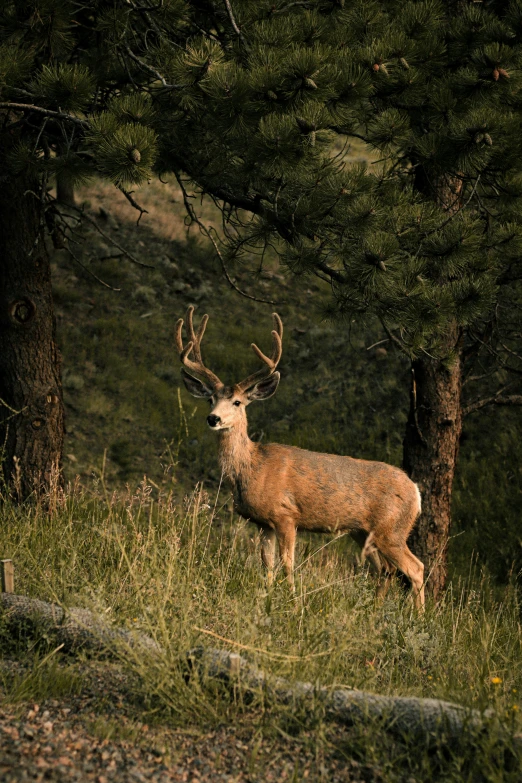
{"points": [[194, 386], [265, 388]]}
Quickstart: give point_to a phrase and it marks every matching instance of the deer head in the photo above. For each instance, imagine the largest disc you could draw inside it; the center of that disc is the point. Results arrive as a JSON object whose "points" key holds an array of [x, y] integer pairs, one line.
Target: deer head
{"points": [[228, 402]]}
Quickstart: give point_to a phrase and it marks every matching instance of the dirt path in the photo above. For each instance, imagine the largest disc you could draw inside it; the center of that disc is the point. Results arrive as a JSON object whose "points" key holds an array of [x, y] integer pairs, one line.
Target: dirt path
{"points": [[98, 736]]}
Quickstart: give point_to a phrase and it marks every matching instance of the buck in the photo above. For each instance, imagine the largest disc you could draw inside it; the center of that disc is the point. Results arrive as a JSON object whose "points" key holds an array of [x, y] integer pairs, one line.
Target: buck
{"points": [[284, 489]]}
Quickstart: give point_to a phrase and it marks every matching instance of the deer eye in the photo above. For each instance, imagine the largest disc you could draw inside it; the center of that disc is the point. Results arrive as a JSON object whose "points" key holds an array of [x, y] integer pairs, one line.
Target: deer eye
{"points": [[237, 403]]}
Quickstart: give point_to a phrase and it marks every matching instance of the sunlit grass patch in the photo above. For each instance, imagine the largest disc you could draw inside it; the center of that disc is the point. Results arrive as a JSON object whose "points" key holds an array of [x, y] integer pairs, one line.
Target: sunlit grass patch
{"points": [[188, 573]]}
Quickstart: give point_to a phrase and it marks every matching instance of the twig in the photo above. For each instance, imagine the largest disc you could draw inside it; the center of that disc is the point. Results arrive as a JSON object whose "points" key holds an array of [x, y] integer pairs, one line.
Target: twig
{"points": [[234, 24], [152, 70], [128, 196], [89, 272], [415, 412], [14, 412], [386, 340], [497, 399], [453, 214], [59, 115], [109, 238], [395, 339], [208, 233], [263, 652]]}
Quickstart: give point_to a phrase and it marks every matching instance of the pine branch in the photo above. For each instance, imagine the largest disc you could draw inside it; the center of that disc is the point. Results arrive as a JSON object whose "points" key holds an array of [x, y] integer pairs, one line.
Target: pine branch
{"points": [[234, 24], [146, 67], [497, 399], [208, 233], [128, 196], [455, 213], [395, 340], [59, 115]]}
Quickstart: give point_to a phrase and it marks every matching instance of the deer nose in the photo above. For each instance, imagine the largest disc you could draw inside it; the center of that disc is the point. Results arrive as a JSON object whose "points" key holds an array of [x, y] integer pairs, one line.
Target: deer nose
{"points": [[213, 420]]}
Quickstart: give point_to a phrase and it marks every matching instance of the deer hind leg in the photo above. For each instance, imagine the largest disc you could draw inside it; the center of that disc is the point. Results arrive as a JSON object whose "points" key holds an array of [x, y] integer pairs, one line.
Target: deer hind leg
{"points": [[404, 559], [378, 563], [286, 536], [268, 552]]}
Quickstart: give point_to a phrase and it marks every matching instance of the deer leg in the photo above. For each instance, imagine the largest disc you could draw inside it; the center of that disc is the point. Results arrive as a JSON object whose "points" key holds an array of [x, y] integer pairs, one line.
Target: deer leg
{"points": [[268, 552], [286, 538], [404, 559], [379, 565]]}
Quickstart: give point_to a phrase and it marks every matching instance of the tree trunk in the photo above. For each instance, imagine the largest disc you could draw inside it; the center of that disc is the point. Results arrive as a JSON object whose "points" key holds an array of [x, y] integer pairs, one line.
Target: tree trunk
{"points": [[430, 454], [31, 404]]}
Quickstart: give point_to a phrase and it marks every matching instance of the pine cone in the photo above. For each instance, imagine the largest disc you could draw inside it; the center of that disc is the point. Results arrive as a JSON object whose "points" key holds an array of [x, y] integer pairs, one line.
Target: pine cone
{"points": [[135, 155], [496, 74], [305, 126], [376, 67], [404, 63], [308, 82], [503, 73], [272, 95]]}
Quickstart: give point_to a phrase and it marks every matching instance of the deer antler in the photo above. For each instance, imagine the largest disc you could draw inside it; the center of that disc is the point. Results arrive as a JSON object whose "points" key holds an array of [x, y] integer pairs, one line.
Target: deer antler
{"points": [[272, 362], [194, 347]]}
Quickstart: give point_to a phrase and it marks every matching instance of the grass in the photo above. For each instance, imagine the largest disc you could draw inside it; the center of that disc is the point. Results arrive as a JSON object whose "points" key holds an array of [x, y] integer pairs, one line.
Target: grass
{"points": [[44, 678], [186, 573]]}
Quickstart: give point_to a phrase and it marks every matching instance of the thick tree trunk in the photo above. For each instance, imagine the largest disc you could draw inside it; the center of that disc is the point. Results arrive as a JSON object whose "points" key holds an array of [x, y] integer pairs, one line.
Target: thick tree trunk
{"points": [[430, 452], [31, 404]]}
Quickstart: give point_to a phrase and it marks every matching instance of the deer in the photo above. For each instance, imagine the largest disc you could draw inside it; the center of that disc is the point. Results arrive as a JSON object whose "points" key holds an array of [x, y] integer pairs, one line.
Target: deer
{"points": [[283, 489]]}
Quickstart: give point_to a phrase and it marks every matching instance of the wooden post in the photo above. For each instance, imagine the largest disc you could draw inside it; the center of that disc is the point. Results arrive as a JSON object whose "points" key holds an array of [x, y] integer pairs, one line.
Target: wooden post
{"points": [[7, 574]]}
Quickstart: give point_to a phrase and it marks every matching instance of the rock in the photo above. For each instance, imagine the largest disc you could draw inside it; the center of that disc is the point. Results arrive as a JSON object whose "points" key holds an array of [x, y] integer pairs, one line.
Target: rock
{"points": [[144, 295]]}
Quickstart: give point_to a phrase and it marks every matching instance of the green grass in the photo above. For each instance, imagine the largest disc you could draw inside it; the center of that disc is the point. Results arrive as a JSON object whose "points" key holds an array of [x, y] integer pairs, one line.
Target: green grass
{"points": [[148, 563], [44, 678]]}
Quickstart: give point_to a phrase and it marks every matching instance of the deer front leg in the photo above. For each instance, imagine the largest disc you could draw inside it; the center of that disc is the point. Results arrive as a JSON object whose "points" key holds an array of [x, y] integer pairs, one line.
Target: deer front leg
{"points": [[286, 535], [268, 552]]}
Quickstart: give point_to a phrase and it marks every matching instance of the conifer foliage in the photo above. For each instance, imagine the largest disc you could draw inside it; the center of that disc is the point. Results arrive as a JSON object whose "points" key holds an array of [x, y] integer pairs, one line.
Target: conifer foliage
{"points": [[256, 103]]}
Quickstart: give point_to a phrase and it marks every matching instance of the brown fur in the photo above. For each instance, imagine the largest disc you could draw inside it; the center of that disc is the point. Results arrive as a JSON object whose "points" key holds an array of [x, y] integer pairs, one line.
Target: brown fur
{"points": [[284, 489]]}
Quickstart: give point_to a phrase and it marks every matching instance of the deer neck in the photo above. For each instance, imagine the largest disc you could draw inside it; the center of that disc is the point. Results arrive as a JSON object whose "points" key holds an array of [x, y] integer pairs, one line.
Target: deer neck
{"points": [[236, 452]]}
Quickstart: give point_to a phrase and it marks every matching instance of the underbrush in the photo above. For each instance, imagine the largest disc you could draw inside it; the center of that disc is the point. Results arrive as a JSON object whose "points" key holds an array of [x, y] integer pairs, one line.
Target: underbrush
{"points": [[189, 573]]}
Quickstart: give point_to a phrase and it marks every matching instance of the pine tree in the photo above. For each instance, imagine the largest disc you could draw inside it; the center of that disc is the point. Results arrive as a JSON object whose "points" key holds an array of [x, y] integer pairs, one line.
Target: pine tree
{"points": [[256, 104], [68, 110], [426, 239]]}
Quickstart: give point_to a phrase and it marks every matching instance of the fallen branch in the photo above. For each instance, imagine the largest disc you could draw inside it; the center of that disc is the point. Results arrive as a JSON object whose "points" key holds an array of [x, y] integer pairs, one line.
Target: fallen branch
{"points": [[417, 718], [74, 628], [405, 716]]}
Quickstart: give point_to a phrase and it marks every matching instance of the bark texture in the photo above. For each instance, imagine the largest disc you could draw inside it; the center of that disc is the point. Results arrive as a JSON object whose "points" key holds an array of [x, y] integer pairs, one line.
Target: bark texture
{"points": [[430, 452], [31, 404]]}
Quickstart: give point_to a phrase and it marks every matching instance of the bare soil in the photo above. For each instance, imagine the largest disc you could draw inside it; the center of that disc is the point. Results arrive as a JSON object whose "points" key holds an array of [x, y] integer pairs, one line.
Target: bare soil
{"points": [[100, 735]]}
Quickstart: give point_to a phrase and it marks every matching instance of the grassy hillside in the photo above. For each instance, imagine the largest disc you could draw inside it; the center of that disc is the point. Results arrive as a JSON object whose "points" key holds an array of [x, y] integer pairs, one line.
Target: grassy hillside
{"points": [[121, 370], [128, 417]]}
